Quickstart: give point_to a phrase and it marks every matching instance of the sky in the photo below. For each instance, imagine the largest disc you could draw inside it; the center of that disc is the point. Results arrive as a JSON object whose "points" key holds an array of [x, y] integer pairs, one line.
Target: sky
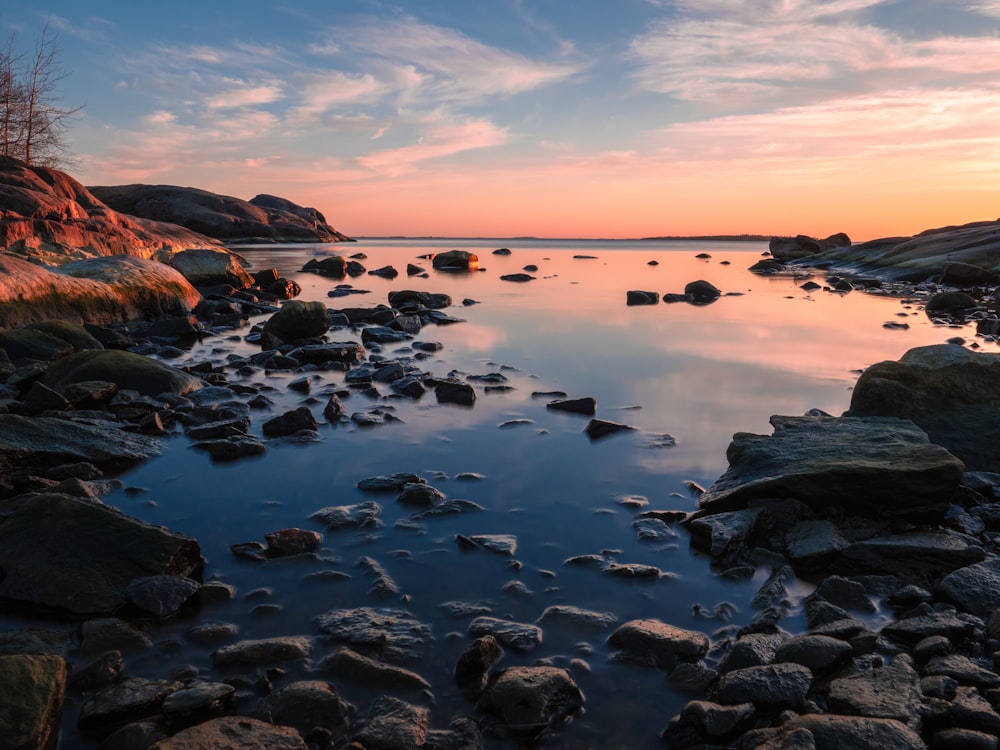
{"points": [[546, 118]]}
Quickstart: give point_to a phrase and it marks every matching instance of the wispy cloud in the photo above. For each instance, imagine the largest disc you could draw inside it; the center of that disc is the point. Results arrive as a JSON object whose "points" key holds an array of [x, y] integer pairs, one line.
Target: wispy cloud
{"points": [[245, 94], [989, 8], [440, 141]]}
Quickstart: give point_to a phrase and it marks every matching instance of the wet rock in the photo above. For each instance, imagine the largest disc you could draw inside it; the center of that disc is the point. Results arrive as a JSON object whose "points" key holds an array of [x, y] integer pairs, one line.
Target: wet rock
{"points": [[199, 701], [394, 635], [463, 733], [812, 544], [420, 494], [912, 630], [917, 557], [945, 389], [102, 634], [702, 291], [517, 277], [382, 584], [587, 405], [232, 448], [963, 739], [963, 670], [820, 653], [516, 635], [212, 632], [455, 260], [568, 616], [208, 267], [290, 422], [869, 465], [725, 532], [130, 700], [845, 593], [310, 706], [298, 320], [751, 650], [831, 732], [263, 652], [501, 544], [394, 725], [233, 732], [527, 700], [703, 720], [347, 664], [389, 482], [408, 298], [292, 542], [161, 596], [454, 392], [658, 644], [473, 667], [601, 428], [126, 370], [361, 515], [638, 297], [653, 530], [890, 692], [974, 588], [772, 685], [32, 703], [97, 673], [69, 554]]}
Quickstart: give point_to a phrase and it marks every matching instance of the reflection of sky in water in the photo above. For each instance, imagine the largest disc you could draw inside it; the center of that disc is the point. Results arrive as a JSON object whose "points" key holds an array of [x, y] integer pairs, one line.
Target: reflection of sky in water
{"points": [[697, 373]]}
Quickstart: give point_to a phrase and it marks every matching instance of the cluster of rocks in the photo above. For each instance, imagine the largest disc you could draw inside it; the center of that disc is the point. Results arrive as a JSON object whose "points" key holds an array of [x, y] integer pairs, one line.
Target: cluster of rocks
{"points": [[698, 292]]}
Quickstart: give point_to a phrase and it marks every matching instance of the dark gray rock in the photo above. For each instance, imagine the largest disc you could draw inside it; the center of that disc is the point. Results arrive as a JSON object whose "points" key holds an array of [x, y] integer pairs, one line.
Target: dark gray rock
{"points": [[308, 706], [639, 297], [751, 650], [975, 588], [389, 482], [298, 320], [516, 635], [455, 260], [963, 670], [472, 670], [845, 593], [889, 692], [408, 298], [207, 267], [658, 644], [130, 700], [347, 664], [602, 428], [198, 702], [912, 630], [820, 653], [575, 618], [362, 515], [391, 634], [232, 448], [720, 533], [420, 495], [831, 732], [290, 422], [527, 700], [772, 685], [126, 370], [872, 465], [161, 596], [702, 291], [454, 392], [703, 720], [263, 651], [587, 405], [917, 557], [812, 544], [34, 688], [284, 542]]}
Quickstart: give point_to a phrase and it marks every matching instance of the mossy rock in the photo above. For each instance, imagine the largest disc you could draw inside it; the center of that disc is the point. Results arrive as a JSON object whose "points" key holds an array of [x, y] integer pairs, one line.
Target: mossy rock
{"points": [[73, 334], [128, 371]]}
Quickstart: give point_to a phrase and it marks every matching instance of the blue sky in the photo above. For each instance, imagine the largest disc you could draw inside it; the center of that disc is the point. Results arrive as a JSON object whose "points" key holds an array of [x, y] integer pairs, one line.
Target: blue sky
{"points": [[547, 117]]}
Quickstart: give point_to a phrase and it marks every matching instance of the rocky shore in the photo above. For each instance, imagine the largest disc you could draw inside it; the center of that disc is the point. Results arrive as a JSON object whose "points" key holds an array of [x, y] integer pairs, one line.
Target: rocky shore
{"points": [[894, 504]]}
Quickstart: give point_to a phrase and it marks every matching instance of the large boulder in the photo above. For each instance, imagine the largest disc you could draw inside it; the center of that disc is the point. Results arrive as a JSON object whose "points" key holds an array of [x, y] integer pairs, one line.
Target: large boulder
{"points": [[97, 290], [298, 320], [49, 216], [264, 218], [526, 700], [205, 267], [31, 700], [952, 393], [231, 732], [72, 555], [456, 260], [658, 644], [874, 466], [127, 370]]}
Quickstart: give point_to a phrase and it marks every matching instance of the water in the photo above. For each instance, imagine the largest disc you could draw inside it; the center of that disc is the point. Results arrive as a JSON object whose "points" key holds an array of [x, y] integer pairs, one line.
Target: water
{"points": [[696, 373]]}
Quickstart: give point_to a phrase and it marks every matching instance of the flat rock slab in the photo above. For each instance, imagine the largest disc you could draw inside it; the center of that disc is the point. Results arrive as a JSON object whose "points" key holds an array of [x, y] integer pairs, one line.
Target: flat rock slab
{"points": [[890, 692], [519, 636], [264, 651], [347, 664], [948, 390], [919, 556], [393, 634], [53, 441], [31, 706], [69, 554], [232, 732], [870, 465]]}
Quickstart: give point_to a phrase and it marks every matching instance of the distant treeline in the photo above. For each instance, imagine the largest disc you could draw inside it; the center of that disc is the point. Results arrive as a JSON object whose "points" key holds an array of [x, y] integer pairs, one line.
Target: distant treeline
{"points": [[715, 238]]}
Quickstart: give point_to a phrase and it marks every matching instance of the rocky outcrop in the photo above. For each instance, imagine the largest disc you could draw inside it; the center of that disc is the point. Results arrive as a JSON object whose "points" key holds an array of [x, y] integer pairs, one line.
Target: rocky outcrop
{"points": [[792, 248], [101, 290], [50, 216], [265, 218]]}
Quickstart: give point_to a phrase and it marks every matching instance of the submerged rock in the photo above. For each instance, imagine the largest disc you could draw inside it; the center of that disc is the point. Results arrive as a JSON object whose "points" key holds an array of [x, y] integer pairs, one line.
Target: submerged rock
{"points": [[516, 635], [363, 515], [393, 634]]}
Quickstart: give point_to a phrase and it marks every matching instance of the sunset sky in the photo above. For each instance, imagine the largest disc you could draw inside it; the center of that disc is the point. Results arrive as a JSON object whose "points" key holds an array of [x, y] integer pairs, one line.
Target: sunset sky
{"points": [[548, 118]]}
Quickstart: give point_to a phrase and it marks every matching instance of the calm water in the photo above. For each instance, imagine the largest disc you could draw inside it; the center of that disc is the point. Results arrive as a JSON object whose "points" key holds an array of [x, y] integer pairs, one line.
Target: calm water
{"points": [[696, 373]]}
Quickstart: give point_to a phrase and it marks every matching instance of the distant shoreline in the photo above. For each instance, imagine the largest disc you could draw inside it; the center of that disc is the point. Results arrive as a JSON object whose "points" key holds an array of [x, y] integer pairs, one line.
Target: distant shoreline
{"points": [[672, 238]]}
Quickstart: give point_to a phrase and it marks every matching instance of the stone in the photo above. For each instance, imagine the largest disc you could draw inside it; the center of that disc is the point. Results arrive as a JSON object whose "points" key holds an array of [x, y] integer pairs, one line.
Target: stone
{"points": [[658, 644], [393, 635], [78, 556], [455, 260], [947, 390], [597, 429], [639, 297], [751, 650], [162, 595], [845, 593], [97, 673], [298, 320], [420, 494], [832, 732], [587, 405], [820, 653], [408, 298], [527, 700], [31, 705], [912, 630], [472, 670], [308, 706], [575, 618], [706, 720], [964, 670], [232, 448], [889, 692], [292, 542], [263, 651], [702, 292], [393, 724], [517, 277], [916, 557], [366, 515], [230, 732], [100, 634], [516, 635], [793, 248], [785, 685], [389, 482], [725, 532], [974, 588], [454, 392], [501, 544], [875, 465], [198, 701], [128, 371], [812, 544], [347, 664], [209, 267], [130, 700]]}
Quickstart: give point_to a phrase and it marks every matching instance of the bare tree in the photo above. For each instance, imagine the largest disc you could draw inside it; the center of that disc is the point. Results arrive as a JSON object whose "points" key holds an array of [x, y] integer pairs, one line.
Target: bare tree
{"points": [[33, 121]]}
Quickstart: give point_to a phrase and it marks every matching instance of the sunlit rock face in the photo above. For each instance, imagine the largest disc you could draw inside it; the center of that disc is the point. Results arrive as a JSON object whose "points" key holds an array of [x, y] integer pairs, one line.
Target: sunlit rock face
{"points": [[264, 218], [49, 216]]}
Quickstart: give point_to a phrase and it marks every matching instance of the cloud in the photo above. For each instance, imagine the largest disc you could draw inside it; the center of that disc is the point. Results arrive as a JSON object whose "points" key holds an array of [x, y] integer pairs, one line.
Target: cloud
{"points": [[990, 8], [438, 142], [243, 94], [325, 91]]}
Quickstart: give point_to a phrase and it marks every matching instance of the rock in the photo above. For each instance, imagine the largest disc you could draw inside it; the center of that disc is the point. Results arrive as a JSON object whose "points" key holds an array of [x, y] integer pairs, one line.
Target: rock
{"points": [[912, 630], [263, 652], [519, 636], [946, 390], [334, 266], [198, 702], [128, 371], [205, 267], [702, 291], [890, 692], [408, 298], [974, 588], [725, 532], [161, 595], [793, 248], [874, 465], [394, 725], [751, 650], [830, 732], [363, 515], [392, 634], [845, 593], [502, 544], [298, 320], [264, 218], [963, 739], [658, 644], [820, 653], [472, 670], [232, 448], [455, 260], [308, 706], [290, 423], [31, 706], [383, 335], [383, 584], [601, 428], [767, 267], [44, 342], [949, 305], [812, 544], [775, 685], [454, 392], [527, 700], [638, 297], [230, 732], [389, 482], [517, 277], [966, 274], [587, 405], [420, 495], [963, 670], [570, 617], [100, 634], [347, 664], [130, 700], [97, 673], [917, 557], [292, 542], [79, 556], [706, 720]]}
